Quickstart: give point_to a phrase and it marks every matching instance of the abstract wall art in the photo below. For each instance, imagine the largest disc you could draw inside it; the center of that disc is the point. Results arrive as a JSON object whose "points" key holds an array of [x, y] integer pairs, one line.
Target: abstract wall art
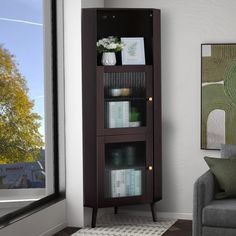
{"points": [[218, 95]]}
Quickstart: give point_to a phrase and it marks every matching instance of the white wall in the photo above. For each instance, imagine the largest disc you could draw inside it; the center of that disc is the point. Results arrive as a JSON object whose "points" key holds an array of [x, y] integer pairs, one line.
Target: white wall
{"points": [[73, 109], [92, 3], [43, 223], [73, 101], [185, 25]]}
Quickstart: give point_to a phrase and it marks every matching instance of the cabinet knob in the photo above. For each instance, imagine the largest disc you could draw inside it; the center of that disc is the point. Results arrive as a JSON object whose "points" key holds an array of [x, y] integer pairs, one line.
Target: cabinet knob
{"points": [[150, 168], [150, 99]]}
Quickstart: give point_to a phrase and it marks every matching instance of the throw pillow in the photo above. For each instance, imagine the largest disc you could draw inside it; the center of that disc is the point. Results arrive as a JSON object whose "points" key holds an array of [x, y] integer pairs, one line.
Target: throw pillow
{"points": [[228, 150], [232, 157], [225, 172]]}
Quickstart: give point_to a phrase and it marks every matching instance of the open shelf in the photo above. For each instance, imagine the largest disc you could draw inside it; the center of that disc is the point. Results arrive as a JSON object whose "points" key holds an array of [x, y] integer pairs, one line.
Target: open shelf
{"points": [[123, 23], [125, 68]]}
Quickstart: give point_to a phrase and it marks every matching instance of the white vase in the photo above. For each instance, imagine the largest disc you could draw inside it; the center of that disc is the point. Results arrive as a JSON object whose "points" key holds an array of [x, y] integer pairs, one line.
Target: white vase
{"points": [[108, 58]]}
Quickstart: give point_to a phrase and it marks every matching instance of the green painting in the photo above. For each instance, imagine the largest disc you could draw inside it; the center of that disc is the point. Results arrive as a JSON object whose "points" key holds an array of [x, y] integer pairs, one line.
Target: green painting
{"points": [[218, 111]]}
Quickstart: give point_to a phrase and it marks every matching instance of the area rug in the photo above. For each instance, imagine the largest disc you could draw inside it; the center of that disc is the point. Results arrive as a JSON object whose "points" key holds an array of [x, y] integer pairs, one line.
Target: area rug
{"points": [[127, 225]]}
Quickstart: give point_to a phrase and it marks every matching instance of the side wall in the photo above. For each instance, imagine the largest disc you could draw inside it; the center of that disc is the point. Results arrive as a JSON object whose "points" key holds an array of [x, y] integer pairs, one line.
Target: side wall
{"points": [[73, 97], [92, 3], [185, 25], [73, 101], [43, 223]]}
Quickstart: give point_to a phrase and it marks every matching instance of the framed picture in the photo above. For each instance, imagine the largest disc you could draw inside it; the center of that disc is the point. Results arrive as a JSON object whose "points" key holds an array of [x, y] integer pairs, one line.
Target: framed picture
{"points": [[133, 52], [218, 95]]}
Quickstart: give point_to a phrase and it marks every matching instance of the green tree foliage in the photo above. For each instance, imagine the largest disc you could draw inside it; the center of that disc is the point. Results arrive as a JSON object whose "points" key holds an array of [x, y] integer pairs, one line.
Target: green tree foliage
{"points": [[20, 140]]}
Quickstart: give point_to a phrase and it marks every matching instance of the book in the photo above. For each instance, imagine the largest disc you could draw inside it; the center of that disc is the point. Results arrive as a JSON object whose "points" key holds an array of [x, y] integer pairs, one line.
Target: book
{"points": [[118, 114], [125, 182], [117, 183], [138, 182]]}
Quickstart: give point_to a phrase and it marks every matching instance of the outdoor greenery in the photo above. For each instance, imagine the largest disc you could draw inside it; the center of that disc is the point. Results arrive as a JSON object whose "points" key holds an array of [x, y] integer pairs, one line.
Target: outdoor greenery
{"points": [[20, 140]]}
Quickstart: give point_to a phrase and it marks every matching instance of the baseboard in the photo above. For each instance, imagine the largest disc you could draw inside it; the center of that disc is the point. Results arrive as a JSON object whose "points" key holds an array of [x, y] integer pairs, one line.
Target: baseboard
{"points": [[54, 230], [167, 215], [175, 215]]}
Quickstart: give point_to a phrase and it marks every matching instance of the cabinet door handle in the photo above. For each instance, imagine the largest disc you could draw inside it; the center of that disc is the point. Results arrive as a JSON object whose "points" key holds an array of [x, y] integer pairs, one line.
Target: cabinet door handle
{"points": [[150, 168], [150, 99]]}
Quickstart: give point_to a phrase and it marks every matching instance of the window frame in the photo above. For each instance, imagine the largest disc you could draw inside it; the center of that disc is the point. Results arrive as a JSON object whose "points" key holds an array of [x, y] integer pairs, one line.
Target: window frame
{"points": [[56, 8]]}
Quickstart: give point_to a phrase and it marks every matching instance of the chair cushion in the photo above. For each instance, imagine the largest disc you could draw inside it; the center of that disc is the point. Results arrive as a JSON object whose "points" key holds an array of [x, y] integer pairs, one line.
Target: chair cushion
{"points": [[220, 213]]}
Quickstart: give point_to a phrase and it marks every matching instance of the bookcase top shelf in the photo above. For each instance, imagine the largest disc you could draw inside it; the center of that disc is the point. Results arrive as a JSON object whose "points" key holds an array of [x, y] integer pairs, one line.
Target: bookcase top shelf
{"points": [[125, 68]]}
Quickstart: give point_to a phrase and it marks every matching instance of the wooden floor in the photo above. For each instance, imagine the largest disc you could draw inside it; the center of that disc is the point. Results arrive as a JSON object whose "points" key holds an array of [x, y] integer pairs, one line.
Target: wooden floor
{"points": [[180, 228], [67, 231]]}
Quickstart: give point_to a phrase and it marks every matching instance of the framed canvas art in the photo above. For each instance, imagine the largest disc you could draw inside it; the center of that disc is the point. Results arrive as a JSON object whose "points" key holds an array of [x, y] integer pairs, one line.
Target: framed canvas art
{"points": [[218, 95], [133, 52]]}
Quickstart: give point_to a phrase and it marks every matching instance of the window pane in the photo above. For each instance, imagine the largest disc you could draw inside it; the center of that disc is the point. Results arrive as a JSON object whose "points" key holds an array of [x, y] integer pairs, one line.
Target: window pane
{"points": [[26, 121]]}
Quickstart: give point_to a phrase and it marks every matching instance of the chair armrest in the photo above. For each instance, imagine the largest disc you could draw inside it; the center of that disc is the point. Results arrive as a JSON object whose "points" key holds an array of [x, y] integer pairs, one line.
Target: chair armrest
{"points": [[203, 194]]}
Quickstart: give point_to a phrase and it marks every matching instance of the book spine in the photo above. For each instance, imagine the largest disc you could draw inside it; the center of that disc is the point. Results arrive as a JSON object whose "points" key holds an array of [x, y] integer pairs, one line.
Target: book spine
{"points": [[111, 111], [113, 183], [119, 114], [126, 108], [138, 182], [128, 182], [132, 182]]}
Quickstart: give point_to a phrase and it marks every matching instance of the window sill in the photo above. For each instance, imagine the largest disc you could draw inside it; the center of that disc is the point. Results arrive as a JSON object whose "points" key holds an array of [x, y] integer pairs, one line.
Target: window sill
{"points": [[30, 209]]}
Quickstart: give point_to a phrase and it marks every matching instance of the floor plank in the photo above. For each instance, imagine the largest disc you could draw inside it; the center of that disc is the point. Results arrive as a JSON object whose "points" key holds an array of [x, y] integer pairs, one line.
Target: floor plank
{"points": [[67, 231], [180, 228]]}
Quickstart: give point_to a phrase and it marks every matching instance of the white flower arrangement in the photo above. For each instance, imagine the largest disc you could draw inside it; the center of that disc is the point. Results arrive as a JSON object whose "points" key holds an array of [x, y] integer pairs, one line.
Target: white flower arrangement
{"points": [[110, 44]]}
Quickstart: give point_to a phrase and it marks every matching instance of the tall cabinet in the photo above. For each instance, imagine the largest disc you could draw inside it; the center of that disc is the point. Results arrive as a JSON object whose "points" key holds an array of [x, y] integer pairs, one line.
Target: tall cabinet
{"points": [[122, 155]]}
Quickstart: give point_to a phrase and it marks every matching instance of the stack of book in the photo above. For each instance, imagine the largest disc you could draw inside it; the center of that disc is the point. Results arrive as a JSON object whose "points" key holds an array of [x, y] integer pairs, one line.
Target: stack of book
{"points": [[118, 114], [125, 182]]}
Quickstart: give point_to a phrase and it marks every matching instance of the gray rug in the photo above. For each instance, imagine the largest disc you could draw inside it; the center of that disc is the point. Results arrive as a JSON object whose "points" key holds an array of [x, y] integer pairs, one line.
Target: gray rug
{"points": [[127, 225]]}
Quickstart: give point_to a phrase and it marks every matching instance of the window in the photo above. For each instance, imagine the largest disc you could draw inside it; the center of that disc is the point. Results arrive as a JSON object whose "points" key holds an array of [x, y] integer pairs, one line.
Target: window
{"points": [[29, 155]]}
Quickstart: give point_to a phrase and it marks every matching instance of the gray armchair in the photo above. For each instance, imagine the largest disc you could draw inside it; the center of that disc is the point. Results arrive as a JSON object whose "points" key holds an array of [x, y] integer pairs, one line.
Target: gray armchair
{"points": [[212, 217]]}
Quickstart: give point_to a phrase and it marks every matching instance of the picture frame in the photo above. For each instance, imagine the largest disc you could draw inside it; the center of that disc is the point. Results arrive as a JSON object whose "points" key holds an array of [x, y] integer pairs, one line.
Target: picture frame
{"points": [[133, 52], [218, 97]]}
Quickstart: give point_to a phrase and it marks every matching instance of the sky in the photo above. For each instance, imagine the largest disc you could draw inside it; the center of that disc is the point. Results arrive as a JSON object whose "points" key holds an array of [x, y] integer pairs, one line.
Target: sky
{"points": [[21, 32]]}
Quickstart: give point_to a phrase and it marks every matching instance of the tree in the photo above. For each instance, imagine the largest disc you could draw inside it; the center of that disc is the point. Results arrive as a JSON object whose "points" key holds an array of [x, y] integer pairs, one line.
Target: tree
{"points": [[20, 140]]}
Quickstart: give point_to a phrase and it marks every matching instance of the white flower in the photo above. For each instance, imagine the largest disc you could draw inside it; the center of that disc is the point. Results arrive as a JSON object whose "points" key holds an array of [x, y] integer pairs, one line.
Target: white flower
{"points": [[112, 46]]}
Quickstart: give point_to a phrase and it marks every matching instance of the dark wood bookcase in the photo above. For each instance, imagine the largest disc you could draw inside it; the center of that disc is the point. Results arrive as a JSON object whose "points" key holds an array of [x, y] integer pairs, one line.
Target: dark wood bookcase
{"points": [[122, 164]]}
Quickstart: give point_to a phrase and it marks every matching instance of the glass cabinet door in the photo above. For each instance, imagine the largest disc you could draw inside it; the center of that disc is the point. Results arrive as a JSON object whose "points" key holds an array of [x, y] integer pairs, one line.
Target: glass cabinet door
{"points": [[124, 169], [124, 172], [126, 98]]}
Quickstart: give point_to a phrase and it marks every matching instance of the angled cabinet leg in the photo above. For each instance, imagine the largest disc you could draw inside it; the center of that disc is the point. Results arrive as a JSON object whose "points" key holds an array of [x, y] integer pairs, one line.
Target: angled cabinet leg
{"points": [[154, 215], [115, 210], [94, 217]]}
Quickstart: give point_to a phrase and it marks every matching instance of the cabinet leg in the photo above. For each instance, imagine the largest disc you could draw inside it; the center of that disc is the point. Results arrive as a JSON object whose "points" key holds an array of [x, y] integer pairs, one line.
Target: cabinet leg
{"points": [[154, 216], [115, 210], [94, 217]]}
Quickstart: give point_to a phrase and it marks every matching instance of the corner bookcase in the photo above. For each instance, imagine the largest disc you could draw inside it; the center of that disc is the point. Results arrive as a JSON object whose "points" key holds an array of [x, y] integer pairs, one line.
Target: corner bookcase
{"points": [[122, 155]]}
